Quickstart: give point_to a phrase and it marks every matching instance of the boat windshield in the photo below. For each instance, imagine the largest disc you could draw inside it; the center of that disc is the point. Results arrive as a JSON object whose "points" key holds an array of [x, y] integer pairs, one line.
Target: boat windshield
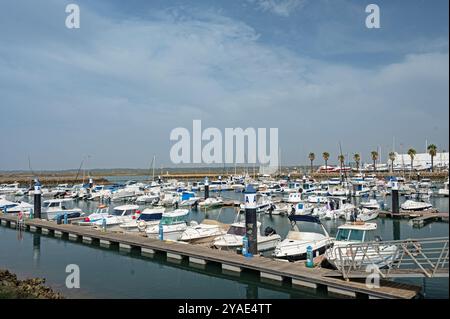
{"points": [[350, 235], [149, 217], [119, 212], [171, 220], [239, 231]]}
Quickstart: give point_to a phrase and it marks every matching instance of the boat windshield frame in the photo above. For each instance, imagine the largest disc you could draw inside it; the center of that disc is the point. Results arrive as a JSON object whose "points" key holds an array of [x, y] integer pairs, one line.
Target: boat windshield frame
{"points": [[350, 234], [235, 230]]}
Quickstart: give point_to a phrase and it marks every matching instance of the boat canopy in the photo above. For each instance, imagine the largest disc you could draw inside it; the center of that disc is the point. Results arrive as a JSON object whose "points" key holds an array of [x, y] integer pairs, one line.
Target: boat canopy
{"points": [[304, 218]]}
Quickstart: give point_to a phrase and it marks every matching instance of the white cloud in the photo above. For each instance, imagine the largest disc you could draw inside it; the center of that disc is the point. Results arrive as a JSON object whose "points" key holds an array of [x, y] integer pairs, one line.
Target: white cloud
{"points": [[279, 7], [136, 80]]}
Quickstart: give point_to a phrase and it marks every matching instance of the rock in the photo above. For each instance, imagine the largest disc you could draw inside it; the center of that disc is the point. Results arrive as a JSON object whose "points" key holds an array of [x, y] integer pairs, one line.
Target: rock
{"points": [[12, 288]]}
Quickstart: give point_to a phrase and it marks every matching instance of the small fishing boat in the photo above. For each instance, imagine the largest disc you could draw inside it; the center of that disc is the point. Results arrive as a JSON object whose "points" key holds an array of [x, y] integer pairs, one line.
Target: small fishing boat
{"points": [[294, 247]]}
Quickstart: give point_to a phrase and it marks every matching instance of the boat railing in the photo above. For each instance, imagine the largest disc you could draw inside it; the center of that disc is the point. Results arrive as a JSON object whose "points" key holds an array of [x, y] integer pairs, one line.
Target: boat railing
{"points": [[426, 257]]}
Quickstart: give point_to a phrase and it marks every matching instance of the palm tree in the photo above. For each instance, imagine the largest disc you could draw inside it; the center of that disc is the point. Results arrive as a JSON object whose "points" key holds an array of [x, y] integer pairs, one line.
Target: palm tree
{"points": [[412, 153], [312, 157], [432, 150], [341, 159], [392, 157], [357, 159], [326, 156], [374, 159]]}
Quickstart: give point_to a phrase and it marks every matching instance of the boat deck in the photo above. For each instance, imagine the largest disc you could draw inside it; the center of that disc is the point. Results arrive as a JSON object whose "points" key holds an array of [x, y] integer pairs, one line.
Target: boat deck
{"points": [[276, 271]]}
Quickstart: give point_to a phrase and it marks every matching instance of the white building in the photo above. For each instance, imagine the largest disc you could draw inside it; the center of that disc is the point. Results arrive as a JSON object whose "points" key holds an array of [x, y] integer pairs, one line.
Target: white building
{"points": [[422, 161]]}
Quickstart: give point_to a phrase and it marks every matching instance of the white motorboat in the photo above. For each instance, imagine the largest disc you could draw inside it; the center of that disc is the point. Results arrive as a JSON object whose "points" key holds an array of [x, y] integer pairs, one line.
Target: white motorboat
{"points": [[128, 192], [188, 199], [415, 206], [54, 208], [233, 239], [279, 209], [316, 199], [211, 202], [336, 207], [172, 225], [206, 231], [363, 214], [371, 204], [19, 207], [294, 197], [120, 214], [6, 204], [302, 208], [101, 212], [148, 217], [444, 191], [295, 245], [147, 199], [343, 254], [263, 203]]}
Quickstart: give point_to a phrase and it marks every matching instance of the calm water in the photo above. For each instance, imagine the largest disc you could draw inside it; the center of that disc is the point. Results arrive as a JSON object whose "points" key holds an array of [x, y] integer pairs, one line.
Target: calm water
{"points": [[107, 273]]}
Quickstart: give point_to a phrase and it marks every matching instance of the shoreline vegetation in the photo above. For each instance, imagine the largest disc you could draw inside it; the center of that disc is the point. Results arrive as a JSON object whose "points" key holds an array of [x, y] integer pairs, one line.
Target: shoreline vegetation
{"points": [[101, 176], [32, 288]]}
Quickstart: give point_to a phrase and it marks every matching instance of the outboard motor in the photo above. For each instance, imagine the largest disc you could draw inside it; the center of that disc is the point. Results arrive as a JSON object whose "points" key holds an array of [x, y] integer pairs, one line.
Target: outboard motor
{"points": [[269, 231]]}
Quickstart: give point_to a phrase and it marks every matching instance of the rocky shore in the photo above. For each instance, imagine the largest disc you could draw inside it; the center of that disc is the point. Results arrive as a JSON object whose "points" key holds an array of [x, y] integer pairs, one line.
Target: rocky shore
{"points": [[13, 288]]}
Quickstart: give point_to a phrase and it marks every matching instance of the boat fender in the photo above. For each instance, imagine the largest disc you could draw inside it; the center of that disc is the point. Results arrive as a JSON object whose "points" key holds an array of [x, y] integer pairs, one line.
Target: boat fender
{"points": [[142, 225], [269, 231]]}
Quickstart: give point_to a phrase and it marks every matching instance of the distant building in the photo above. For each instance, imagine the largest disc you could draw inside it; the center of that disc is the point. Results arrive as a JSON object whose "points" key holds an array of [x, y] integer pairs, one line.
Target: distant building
{"points": [[422, 161]]}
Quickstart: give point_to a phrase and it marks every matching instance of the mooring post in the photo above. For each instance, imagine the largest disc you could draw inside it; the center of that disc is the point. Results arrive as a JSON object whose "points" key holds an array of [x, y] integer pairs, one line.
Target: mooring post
{"points": [[250, 220], [395, 201], [37, 199], [65, 218], [206, 188]]}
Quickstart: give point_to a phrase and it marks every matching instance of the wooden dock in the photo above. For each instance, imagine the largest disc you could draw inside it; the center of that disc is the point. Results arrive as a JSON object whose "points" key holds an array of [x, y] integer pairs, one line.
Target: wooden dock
{"points": [[276, 271], [430, 214]]}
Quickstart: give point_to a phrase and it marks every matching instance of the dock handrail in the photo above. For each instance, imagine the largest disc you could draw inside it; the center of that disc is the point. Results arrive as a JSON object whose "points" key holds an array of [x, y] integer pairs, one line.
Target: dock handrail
{"points": [[426, 257]]}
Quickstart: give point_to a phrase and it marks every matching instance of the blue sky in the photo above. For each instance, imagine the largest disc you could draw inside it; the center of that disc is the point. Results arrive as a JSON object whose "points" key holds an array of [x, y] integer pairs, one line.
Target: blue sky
{"points": [[116, 87]]}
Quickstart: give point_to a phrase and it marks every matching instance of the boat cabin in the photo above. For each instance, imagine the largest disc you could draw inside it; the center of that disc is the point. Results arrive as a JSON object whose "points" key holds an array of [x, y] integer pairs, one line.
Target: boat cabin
{"points": [[357, 232]]}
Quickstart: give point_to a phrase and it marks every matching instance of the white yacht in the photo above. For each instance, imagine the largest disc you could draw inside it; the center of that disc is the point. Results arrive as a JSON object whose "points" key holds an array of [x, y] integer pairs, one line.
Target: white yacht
{"points": [[294, 247], [233, 239], [343, 254], [173, 224], [101, 212]]}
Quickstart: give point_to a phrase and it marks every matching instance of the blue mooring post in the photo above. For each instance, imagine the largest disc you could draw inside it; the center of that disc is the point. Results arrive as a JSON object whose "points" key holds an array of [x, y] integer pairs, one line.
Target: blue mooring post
{"points": [[104, 224], [161, 231], [66, 221], [206, 188], [250, 220], [37, 199], [309, 257]]}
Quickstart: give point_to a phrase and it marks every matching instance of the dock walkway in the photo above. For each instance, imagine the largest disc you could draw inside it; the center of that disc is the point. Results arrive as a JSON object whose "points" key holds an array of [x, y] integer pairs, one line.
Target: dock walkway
{"points": [[269, 269]]}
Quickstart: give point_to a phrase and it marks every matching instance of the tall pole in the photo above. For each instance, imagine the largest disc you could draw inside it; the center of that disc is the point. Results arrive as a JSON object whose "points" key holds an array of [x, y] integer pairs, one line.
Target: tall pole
{"points": [[206, 188], [37, 199], [250, 219]]}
